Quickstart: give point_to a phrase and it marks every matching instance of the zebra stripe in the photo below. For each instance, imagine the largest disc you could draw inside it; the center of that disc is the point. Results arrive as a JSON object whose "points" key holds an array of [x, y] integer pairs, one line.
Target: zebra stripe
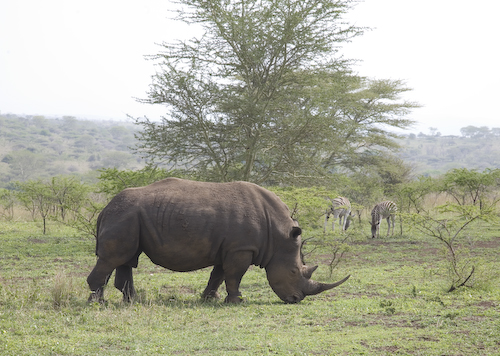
{"points": [[340, 209], [384, 210]]}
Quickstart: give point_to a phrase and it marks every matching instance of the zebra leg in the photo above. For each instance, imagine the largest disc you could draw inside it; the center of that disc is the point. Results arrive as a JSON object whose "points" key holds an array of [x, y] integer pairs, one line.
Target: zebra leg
{"points": [[326, 221], [389, 226]]}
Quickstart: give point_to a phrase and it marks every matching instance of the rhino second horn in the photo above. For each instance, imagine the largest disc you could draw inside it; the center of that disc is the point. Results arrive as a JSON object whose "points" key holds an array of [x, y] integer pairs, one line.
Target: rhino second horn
{"points": [[316, 287], [308, 271]]}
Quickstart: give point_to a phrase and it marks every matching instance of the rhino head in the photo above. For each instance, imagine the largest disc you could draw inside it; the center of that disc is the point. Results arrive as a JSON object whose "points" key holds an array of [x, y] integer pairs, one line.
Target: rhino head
{"points": [[289, 278]]}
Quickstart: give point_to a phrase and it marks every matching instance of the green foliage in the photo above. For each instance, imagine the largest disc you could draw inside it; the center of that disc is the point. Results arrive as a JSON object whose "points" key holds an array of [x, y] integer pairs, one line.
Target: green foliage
{"points": [[68, 194], [7, 202], [469, 186], [411, 195], [85, 202], [393, 172], [36, 196], [448, 224], [84, 216], [54, 198], [307, 205]]}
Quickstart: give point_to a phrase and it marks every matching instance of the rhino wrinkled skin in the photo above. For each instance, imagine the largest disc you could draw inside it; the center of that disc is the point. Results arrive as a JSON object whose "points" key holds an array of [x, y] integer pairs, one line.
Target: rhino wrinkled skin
{"points": [[185, 225]]}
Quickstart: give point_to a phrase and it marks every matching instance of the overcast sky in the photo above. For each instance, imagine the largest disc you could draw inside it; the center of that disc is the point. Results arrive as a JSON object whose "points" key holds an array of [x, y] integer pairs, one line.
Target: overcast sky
{"points": [[86, 58]]}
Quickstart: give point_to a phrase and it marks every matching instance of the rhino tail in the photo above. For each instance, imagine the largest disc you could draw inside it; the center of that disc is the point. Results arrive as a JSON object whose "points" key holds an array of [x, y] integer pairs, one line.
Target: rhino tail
{"points": [[96, 233]]}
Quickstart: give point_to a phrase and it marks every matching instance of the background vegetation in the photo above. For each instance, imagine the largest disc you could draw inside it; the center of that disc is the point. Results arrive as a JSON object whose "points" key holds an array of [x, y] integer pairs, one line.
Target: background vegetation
{"points": [[35, 147]]}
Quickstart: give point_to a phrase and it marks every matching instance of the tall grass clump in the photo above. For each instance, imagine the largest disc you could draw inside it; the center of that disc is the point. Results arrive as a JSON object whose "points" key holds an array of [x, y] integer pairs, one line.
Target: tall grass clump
{"points": [[62, 290]]}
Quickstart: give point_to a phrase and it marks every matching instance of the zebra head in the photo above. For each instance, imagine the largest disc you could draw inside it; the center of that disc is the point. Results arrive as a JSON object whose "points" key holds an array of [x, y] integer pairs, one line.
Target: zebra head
{"points": [[348, 220], [375, 226]]}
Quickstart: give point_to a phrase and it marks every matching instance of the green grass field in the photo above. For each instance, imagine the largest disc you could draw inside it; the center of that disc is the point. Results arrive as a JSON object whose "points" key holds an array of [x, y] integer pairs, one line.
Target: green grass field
{"points": [[395, 303]]}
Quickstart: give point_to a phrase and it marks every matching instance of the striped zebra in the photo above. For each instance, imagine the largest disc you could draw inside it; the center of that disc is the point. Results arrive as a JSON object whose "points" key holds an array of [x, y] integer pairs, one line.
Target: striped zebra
{"points": [[340, 209], [385, 210]]}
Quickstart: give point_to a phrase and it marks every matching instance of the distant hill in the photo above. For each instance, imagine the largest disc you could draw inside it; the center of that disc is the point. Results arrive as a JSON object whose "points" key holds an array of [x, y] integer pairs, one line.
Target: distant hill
{"points": [[435, 155], [35, 146]]}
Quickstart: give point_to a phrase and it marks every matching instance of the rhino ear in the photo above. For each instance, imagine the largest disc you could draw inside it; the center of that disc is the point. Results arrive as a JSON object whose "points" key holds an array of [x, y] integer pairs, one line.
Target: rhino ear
{"points": [[296, 231]]}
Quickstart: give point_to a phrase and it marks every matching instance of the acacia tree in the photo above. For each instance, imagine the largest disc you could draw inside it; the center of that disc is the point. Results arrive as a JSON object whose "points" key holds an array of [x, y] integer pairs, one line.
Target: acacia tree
{"points": [[67, 193], [264, 96], [7, 201], [36, 197]]}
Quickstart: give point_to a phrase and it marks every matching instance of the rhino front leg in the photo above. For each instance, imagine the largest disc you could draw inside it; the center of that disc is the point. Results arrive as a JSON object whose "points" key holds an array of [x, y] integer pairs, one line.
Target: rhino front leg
{"points": [[124, 282], [216, 279], [235, 267]]}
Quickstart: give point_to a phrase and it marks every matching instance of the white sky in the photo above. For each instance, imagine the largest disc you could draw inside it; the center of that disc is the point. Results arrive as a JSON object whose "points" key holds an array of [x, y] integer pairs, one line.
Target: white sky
{"points": [[86, 58]]}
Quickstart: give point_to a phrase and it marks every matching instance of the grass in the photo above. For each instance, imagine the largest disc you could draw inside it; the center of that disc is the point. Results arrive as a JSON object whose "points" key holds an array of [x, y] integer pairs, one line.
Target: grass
{"points": [[394, 303]]}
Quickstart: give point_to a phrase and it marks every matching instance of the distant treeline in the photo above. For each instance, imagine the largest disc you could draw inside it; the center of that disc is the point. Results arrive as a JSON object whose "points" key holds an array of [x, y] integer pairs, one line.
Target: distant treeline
{"points": [[434, 154], [468, 131]]}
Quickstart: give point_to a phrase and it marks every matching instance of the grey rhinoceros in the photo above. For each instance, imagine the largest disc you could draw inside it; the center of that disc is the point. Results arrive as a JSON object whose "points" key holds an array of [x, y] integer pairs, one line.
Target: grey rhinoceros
{"points": [[185, 225]]}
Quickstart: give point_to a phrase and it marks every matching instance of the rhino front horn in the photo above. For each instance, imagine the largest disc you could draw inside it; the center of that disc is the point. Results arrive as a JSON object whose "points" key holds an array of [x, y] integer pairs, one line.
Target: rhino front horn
{"points": [[316, 287]]}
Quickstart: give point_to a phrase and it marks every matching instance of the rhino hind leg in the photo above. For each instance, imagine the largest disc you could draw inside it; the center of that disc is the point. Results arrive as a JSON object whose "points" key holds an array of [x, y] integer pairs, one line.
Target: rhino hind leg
{"points": [[216, 279], [124, 282], [97, 279]]}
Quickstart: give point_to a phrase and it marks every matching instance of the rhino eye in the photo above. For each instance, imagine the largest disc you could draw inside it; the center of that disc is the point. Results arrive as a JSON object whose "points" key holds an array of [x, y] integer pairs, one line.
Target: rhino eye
{"points": [[295, 270]]}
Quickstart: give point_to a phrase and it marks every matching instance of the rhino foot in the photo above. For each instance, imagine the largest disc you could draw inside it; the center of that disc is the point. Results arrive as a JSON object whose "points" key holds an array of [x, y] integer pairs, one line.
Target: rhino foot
{"points": [[213, 294], [129, 296], [234, 299], [96, 297]]}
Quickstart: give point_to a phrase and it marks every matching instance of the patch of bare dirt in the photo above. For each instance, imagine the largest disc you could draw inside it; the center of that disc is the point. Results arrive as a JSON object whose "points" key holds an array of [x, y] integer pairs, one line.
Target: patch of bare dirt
{"points": [[177, 290], [487, 304], [493, 243], [35, 240]]}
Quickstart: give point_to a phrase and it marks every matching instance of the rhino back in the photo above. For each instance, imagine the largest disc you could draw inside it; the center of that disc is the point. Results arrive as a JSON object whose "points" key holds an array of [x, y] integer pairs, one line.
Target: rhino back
{"points": [[185, 225]]}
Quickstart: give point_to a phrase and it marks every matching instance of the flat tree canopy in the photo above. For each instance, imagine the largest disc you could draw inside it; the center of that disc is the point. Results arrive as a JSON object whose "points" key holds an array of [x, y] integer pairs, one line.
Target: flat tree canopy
{"points": [[264, 96]]}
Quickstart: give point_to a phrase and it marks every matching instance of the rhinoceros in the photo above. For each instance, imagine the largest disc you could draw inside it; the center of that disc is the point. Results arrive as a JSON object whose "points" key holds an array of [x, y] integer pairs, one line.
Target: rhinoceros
{"points": [[186, 225]]}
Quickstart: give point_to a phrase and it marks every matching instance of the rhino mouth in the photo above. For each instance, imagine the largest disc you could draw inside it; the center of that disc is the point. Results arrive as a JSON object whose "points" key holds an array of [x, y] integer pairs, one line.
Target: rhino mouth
{"points": [[293, 299]]}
